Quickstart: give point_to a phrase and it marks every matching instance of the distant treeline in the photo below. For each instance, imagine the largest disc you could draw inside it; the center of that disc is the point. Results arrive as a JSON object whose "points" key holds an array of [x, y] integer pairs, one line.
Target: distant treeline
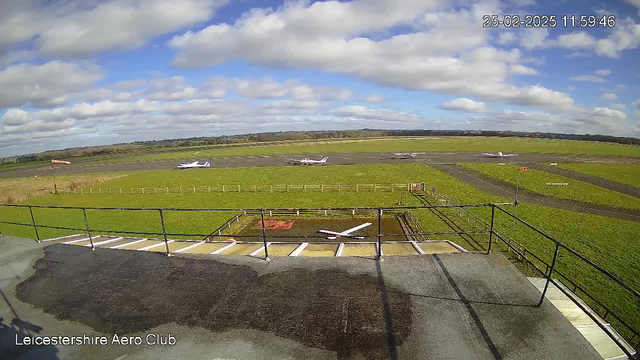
{"points": [[166, 145]]}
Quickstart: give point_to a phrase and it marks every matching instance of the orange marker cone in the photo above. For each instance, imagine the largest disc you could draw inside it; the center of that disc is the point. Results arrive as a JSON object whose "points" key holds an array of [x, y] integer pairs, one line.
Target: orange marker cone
{"points": [[19, 213]]}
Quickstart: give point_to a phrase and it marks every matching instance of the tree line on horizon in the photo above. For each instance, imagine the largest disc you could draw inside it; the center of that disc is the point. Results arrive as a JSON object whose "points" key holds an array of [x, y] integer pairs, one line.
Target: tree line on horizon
{"points": [[179, 144]]}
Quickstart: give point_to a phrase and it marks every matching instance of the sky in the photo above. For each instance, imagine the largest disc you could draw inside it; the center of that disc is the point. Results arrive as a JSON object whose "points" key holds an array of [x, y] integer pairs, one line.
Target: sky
{"points": [[87, 72]]}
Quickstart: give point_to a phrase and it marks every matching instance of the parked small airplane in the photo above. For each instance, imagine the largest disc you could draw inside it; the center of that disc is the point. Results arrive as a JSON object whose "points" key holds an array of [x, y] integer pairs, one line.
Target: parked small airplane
{"points": [[498, 155], [408, 155], [193, 165], [307, 161], [346, 233]]}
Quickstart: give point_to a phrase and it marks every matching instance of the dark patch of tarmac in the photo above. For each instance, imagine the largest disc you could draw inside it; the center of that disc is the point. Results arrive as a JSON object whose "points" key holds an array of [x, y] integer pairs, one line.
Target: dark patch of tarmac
{"points": [[124, 292], [503, 188], [335, 159]]}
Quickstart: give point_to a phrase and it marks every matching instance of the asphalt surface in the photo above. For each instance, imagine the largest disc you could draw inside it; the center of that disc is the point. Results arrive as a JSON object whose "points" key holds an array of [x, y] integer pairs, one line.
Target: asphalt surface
{"points": [[503, 188], [335, 159], [470, 306], [591, 179]]}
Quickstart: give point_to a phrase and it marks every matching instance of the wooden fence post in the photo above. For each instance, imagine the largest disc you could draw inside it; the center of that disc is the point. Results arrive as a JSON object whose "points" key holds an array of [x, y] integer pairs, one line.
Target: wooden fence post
{"points": [[167, 189], [238, 187], [142, 190], [209, 188], [194, 189]]}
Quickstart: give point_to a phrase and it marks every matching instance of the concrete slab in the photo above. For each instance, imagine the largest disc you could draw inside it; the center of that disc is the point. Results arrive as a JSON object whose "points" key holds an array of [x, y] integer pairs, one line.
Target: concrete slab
{"points": [[465, 306], [278, 250], [174, 246], [205, 248], [359, 250], [320, 250], [241, 249], [438, 248], [399, 249], [139, 245]]}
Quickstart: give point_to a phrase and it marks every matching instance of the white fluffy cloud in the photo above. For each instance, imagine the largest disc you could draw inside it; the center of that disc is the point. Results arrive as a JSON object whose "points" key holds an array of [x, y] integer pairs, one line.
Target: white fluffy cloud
{"points": [[49, 84], [375, 98], [463, 104], [319, 36], [609, 96], [67, 28]]}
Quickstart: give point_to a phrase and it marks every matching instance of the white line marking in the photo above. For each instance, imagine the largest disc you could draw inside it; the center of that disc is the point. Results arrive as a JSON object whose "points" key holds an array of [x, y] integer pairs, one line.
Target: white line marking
{"points": [[299, 249], [418, 248], [457, 246], [129, 243], [258, 251], [75, 241], [105, 242], [222, 249], [189, 247], [154, 245], [61, 237], [340, 249]]}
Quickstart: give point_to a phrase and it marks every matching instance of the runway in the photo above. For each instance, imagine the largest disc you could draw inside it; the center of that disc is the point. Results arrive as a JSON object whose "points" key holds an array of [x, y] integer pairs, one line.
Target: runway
{"points": [[334, 159]]}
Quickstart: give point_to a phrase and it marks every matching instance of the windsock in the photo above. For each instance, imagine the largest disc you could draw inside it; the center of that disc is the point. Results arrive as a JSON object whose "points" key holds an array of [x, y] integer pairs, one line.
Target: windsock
{"points": [[60, 162]]}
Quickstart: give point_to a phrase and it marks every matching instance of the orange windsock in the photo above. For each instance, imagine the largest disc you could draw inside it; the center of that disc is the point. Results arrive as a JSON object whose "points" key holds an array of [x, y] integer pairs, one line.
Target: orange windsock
{"points": [[61, 162]]}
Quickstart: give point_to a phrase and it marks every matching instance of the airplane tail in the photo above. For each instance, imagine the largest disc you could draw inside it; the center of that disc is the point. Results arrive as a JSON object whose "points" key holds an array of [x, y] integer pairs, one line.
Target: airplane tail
{"points": [[207, 164], [324, 159]]}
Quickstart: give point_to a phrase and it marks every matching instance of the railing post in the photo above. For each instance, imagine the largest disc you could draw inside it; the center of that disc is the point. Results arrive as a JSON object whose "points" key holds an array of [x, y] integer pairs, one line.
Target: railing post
{"points": [[164, 232], [86, 224], [493, 214], [264, 235], [33, 220], [553, 264], [379, 254]]}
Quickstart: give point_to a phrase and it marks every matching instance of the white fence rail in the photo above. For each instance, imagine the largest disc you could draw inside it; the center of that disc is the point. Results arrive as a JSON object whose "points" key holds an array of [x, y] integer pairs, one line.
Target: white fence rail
{"points": [[193, 189]]}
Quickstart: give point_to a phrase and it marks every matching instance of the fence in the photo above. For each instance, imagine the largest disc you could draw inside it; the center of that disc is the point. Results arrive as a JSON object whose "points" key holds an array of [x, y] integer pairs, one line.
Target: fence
{"points": [[629, 332], [250, 188]]}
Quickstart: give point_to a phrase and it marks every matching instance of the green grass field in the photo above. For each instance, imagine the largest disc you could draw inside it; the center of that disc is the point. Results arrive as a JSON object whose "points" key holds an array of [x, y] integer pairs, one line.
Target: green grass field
{"points": [[627, 174], [536, 181], [391, 144], [609, 242]]}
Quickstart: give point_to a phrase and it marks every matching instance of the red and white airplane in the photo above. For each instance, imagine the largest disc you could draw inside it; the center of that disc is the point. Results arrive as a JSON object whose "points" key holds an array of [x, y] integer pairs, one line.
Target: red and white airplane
{"points": [[347, 233], [499, 155]]}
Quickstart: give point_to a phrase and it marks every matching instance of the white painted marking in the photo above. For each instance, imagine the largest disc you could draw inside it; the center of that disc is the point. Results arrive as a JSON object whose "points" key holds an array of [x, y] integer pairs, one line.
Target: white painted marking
{"points": [[258, 251], [105, 242], [222, 249], [129, 243], [299, 249], [457, 246], [189, 247], [61, 237], [340, 249], [154, 245], [75, 241], [418, 248]]}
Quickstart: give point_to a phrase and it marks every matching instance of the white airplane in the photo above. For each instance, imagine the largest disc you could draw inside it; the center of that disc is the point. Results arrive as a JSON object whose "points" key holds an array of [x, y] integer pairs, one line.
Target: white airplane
{"points": [[307, 161], [194, 165], [408, 155], [499, 155], [346, 233]]}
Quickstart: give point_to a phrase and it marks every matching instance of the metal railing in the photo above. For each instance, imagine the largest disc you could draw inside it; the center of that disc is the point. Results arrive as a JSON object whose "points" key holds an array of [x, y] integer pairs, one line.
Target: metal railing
{"points": [[494, 236]]}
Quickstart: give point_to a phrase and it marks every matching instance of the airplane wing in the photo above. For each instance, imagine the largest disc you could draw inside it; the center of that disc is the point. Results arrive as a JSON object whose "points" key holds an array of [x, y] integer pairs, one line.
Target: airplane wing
{"points": [[489, 154], [328, 232], [347, 232], [508, 155]]}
